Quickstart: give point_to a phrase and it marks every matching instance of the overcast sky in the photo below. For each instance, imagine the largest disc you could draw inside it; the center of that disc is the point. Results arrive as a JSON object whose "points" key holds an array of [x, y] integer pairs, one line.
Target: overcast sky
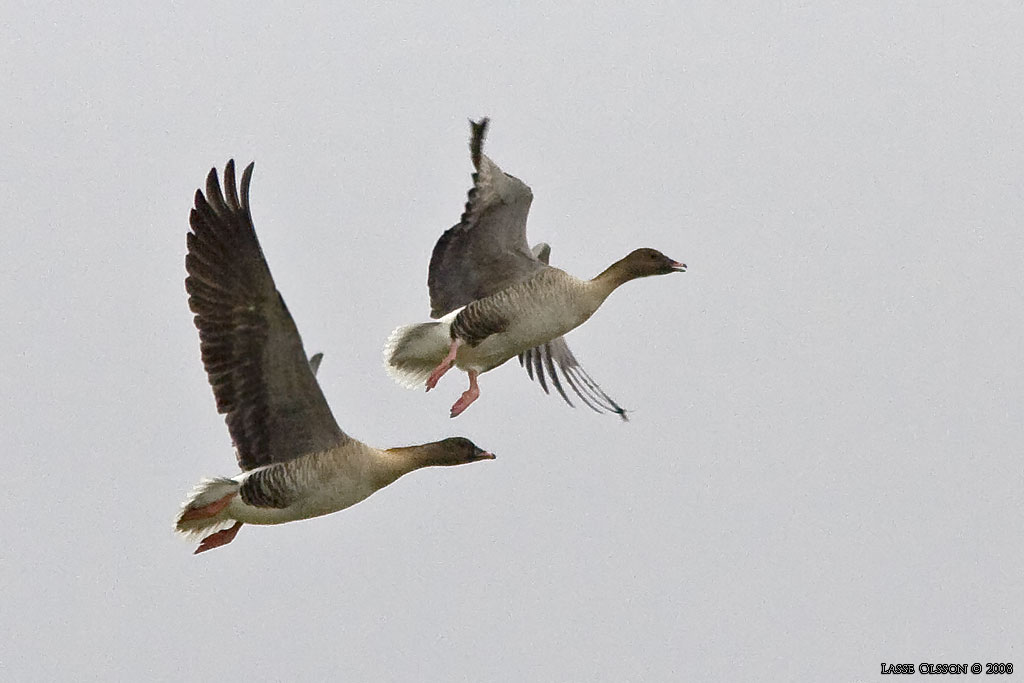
{"points": [[823, 467]]}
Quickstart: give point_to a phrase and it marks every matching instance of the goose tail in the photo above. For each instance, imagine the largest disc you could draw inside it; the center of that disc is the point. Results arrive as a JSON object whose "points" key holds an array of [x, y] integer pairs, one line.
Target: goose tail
{"points": [[413, 351]]}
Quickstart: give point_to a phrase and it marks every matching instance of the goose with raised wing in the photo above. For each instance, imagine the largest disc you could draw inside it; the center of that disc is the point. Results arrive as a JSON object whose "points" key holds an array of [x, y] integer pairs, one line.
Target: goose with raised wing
{"points": [[495, 298], [296, 461]]}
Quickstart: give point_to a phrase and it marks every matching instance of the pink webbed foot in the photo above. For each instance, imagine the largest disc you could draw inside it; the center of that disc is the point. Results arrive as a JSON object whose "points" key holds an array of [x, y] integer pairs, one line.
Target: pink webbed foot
{"points": [[445, 365], [468, 396], [218, 539], [207, 511]]}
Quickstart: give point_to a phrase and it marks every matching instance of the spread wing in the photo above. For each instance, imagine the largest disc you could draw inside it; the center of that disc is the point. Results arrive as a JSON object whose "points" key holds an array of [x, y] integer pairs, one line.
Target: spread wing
{"points": [[251, 349], [546, 357], [556, 354], [487, 251]]}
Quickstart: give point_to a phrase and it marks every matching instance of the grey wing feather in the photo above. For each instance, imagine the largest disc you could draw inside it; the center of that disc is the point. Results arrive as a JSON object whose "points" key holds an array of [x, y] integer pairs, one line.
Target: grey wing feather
{"points": [[542, 252], [544, 359], [251, 349], [314, 362], [487, 250]]}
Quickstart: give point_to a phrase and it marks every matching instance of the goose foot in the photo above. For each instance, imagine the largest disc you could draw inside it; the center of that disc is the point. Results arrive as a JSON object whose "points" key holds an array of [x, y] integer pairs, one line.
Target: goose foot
{"points": [[207, 511], [218, 539], [445, 365], [468, 396]]}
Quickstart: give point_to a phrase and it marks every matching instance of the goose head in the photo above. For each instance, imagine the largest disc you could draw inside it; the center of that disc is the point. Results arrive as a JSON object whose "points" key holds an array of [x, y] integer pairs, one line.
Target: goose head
{"points": [[646, 262], [456, 450]]}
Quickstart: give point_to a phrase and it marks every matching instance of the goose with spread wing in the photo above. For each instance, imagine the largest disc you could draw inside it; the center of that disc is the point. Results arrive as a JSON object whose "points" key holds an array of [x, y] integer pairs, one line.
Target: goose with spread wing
{"points": [[296, 461], [495, 298]]}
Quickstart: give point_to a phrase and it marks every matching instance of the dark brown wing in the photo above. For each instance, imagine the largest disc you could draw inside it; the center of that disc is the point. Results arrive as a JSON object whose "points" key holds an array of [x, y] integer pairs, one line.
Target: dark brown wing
{"points": [[251, 348], [487, 251]]}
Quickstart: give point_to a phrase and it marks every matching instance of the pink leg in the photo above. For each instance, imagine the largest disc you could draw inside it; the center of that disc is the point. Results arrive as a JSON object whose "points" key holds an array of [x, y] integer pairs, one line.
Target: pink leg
{"points": [[207, 511], [468, 396], [445, 365], [218, 539]]}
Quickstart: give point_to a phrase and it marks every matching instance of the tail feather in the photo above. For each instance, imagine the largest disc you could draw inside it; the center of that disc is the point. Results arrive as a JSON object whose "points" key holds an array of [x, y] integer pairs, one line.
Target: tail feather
{"points": [[413, 351], [191, 522]]}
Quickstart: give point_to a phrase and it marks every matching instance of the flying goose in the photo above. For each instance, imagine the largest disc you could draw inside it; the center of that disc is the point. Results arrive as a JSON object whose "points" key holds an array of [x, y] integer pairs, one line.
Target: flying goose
{"points": [[296, 461], [497, 298]]}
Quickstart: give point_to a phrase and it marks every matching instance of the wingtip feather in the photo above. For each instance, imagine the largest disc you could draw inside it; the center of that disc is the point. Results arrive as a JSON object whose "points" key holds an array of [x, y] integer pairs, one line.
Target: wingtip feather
{"points": [[476, 142]]}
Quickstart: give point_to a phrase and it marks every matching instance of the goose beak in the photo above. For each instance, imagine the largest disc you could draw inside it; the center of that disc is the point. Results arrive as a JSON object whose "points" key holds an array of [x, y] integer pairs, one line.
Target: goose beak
{"points": [[485, 455], [678, 267]]}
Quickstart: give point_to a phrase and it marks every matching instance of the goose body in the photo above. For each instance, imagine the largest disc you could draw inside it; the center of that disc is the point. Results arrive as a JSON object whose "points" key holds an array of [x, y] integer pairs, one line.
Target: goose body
{"points": [[309, 486], [496, 298], [545, 305], [296, 461]]}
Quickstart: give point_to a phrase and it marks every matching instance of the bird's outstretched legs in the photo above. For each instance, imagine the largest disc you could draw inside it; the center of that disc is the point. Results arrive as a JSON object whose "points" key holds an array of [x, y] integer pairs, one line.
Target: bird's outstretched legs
{"points": [[445, 365], [218, 539], [468, 396]]}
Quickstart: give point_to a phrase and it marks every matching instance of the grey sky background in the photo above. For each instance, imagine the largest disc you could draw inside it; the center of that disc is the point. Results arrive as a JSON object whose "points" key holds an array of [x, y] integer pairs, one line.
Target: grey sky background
{"points": [[823, 467]]}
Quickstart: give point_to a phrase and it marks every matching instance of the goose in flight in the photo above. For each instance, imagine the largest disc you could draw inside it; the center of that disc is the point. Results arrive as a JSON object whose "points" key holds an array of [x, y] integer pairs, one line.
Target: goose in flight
{"points": [[296, 461], [496, 298]]}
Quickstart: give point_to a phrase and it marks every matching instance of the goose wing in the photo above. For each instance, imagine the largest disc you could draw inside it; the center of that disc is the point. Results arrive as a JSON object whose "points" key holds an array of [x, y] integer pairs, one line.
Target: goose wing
{"points": [[487, 250], [251, 349], [556, 354]]}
